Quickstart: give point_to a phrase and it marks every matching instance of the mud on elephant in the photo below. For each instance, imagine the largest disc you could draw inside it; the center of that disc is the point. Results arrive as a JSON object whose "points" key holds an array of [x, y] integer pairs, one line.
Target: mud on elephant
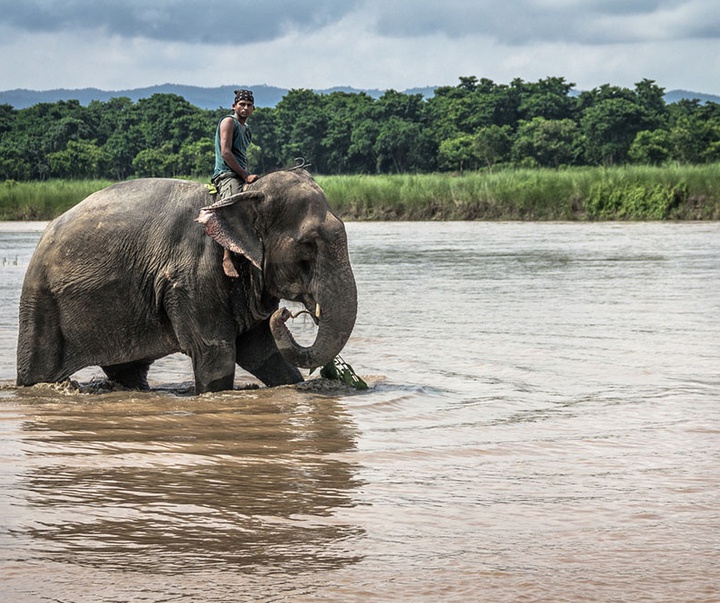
{"points": [[134, 273]]}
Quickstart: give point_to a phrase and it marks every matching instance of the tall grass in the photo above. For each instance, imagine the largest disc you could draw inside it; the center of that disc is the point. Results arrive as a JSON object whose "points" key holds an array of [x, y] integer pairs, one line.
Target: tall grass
{"points": [[623, 193], [626, 193], [43, 200]]}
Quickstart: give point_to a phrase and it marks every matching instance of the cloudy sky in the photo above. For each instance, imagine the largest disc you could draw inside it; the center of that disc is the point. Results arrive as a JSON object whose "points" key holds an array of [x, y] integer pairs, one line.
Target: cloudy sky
{"points": [[400, 44]]}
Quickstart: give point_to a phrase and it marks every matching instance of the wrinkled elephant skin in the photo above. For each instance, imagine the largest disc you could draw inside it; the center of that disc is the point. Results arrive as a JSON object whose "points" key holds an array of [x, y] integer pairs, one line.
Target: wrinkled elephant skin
{"points": [[134, 273]]}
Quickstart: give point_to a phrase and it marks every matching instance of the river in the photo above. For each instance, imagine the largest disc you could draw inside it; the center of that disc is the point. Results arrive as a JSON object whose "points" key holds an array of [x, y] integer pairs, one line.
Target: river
{"points": [[542, 424]]}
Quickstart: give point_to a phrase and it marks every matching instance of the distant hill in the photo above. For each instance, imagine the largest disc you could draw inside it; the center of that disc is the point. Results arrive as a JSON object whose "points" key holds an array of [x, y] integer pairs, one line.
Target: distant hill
{"points": [[205, 98], [214, 98], [675, 95]]}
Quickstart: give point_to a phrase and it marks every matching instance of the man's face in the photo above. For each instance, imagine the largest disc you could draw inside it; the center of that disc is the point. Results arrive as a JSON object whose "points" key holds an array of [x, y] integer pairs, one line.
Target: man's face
{"points": [[243, 108]]}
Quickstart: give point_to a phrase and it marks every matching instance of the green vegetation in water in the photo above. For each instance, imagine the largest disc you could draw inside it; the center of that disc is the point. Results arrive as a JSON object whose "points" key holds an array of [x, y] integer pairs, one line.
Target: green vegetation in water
{"points": [[339, 370]]}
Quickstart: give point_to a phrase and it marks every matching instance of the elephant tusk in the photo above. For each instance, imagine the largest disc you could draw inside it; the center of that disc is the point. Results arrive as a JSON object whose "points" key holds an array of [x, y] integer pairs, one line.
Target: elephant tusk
{"points": [[286, 314]]}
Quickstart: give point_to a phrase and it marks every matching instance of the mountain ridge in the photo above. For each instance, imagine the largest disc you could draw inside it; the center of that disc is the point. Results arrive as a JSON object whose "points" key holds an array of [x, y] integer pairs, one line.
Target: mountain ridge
{"points": [[218, 97], [205, 98]]}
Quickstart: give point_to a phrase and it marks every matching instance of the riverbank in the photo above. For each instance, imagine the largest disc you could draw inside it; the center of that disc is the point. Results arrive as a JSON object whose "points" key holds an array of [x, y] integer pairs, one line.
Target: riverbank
{"points": [[43, 200], [622, 193]]}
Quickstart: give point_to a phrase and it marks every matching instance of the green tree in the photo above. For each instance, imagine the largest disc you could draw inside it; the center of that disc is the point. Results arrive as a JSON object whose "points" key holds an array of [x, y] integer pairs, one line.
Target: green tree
{"points": [[457, 153], [651, 98], [693, 130], [399, 146], [79, 159], [712, 147], [118, 153], [548, 142], [610, 126], [549, 98], [343, 112], [471, 105], [197, 158], [362, 155], [300, 127], [409, 107], [465, 126], [160, 162], [170, 119], [267, 140], [492, 144], [114, 117], [64, 130], [402, 143], [7, 118], [651, 147], [14, 164]]}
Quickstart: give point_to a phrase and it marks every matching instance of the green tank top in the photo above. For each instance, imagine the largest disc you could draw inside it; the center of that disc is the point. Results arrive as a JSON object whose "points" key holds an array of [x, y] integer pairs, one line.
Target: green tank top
{"points": [[242, 137]]}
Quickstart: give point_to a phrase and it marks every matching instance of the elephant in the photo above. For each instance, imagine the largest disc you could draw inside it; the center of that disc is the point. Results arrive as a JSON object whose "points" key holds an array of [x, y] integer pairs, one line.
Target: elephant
{"points": [[134, 273]]}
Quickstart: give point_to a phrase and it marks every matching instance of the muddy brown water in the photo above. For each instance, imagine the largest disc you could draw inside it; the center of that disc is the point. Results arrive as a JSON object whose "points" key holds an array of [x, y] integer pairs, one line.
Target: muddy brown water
{"points": [[541, 425]]}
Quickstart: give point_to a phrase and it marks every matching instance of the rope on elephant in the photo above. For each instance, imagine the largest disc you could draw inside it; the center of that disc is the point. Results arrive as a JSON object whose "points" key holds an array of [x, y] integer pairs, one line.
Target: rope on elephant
{"points": [[300, 164]]}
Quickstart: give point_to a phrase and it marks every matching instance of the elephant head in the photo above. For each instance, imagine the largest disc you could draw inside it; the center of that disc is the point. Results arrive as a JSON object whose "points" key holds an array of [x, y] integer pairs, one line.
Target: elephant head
{"points": [[283, 225]]}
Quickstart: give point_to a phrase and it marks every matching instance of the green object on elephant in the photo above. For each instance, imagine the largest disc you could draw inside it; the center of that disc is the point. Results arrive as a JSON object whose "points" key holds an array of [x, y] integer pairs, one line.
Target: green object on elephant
{"points": [[134, 273]]}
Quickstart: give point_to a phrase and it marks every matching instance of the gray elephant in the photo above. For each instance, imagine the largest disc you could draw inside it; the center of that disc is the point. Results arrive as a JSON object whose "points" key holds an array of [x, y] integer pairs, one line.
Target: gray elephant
{"points": [[134, 273]]}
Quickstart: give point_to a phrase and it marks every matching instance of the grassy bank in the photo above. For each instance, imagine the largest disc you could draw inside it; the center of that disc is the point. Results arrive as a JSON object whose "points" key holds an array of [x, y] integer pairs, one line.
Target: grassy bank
{"points": [[625, 193], [43, 200]]}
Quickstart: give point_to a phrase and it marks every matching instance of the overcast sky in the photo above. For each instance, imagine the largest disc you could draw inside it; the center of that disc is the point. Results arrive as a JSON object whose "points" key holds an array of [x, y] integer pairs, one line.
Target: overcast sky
{"points": [[400, 44]]}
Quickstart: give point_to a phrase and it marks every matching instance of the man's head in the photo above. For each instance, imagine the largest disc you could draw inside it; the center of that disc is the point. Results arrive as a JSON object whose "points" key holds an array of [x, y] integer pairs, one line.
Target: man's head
{"points": [[244, 95], [243, 105]]}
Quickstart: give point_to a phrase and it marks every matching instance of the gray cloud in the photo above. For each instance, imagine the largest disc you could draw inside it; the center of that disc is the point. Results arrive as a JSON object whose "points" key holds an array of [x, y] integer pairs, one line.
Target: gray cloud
{"points": [[208, 21], [515, 23], [397, 44], [524, 22]]}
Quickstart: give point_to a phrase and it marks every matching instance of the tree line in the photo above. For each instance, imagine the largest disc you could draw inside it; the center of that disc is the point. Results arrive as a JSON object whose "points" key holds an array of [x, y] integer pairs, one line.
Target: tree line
{"points": [[476, 124]]}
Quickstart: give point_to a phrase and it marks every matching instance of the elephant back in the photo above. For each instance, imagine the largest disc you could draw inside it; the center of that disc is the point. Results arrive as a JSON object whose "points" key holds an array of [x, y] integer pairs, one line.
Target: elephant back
{"points": [[147, 217]]}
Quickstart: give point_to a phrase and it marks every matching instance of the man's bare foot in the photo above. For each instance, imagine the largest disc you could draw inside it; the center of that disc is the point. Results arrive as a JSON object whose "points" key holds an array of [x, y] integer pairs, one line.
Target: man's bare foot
{"points": [[228, 266]]}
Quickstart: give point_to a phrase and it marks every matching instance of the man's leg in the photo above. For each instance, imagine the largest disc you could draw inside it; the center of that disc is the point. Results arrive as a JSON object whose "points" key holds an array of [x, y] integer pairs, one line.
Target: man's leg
{"points": [[227, 187]]}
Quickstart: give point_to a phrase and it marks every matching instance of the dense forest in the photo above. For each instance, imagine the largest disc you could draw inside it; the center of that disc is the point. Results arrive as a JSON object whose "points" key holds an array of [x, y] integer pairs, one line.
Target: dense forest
{"points": [[477, 124]]}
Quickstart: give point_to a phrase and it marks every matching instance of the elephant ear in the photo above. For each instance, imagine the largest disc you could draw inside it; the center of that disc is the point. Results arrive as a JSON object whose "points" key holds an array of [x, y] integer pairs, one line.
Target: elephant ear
{"points": [[232, 223]]}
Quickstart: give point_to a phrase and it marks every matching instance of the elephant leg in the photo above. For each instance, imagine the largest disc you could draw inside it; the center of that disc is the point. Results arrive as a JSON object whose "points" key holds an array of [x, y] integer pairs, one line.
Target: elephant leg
{"points": [[214, 368], [258, 354], [132, 375], [41, 346]]}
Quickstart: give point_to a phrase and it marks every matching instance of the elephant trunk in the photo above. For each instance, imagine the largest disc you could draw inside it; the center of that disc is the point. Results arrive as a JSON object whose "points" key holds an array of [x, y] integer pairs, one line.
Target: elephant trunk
{"points": [[335, 323]]}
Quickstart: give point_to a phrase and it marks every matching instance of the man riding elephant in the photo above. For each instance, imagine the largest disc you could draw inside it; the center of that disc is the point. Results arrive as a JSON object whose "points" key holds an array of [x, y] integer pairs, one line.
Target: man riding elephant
{"points": [[133, 273], [232, 138]]}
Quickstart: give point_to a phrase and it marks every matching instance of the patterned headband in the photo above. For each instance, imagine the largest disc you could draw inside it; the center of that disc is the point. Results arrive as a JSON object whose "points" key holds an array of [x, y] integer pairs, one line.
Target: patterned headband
{"points": [[244, 95]]}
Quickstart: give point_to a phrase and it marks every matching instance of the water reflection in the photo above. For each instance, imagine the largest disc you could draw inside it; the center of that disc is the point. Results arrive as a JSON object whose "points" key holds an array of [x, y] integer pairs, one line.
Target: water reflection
{"points": [[165, 484]]}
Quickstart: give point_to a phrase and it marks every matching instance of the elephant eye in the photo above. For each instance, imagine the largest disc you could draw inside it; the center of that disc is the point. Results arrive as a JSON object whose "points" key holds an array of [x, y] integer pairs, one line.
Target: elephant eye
{"points": [[306, 248]]}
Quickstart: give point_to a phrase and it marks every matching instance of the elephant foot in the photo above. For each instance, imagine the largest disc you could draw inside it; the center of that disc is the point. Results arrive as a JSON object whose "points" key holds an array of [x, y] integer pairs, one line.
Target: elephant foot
{"points": [[228, 266], [217, 385], [132, 375]]}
